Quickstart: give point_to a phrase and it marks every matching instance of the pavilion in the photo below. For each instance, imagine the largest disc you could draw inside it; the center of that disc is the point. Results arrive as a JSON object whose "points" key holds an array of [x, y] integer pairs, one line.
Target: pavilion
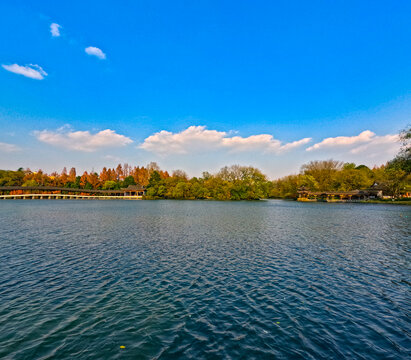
{"points": [[134, 190], [374, 192]]}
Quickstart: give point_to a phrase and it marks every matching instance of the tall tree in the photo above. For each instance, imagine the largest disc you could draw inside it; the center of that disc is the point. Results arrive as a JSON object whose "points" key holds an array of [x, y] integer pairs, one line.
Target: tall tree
{"points": [[119, 172], [72, 175], [64, 177]]}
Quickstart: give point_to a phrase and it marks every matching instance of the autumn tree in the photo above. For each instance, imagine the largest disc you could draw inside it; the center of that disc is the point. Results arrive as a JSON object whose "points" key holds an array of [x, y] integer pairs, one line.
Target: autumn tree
{"points": [[84, 179], [64, 177], [104, 175], [93, 180], [119, 172], [72, 175]]}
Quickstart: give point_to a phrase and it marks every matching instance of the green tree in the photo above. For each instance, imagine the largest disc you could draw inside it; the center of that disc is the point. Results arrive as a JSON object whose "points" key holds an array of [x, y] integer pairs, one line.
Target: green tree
{"points": [[31, 183], [129, 180], [154, 184], [349, 166], [403, 160], [395, 180], [88, 186], [351, 179], [109, 185], [323, 172], [11, 178]]}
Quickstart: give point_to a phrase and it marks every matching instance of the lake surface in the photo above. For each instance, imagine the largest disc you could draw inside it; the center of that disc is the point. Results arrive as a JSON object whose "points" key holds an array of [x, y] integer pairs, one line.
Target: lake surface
{"points": [[204, 280]]}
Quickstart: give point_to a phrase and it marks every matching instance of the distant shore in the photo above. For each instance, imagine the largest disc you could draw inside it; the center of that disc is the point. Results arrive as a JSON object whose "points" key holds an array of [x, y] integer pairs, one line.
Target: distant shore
{"points": [[37, 196], [387, 202], [374, 201]]}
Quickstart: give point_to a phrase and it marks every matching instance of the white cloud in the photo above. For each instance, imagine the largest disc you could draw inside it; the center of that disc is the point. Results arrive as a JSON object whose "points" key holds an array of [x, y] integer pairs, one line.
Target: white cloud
{"points": [[367, 144], [31, 71], [82, 140], [343, 141], [55, 29], [198, 139], [263, 143], [8, 148], [388, 145], [295, 144], [95, 51]]}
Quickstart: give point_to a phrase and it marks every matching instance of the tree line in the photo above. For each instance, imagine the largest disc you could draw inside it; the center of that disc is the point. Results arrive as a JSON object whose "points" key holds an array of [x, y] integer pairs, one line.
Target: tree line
{"points": [[231, 183], [108, 179], [393, 177]]}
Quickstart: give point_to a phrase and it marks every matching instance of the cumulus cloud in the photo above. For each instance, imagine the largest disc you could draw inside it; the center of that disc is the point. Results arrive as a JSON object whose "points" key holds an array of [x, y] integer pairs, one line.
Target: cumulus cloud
{"points": [[82, 140], [263, 143], [95, 51], [55, 29], [31, 71], [8, 148], [343, 141], [366, 142], [389, 145], [198, 138]]}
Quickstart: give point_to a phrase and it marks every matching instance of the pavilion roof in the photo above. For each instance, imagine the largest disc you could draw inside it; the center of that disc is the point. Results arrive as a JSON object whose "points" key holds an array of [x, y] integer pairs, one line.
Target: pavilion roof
{"points": [[137, 187]]}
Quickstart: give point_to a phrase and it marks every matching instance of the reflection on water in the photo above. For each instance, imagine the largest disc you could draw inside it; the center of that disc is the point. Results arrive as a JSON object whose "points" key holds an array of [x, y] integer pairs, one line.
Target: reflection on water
{"points": [[198, 279]]}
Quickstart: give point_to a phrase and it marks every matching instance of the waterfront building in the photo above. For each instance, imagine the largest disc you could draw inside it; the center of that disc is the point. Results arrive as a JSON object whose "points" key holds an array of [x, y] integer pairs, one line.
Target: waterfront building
{"points": [[42, 192], [374, 192]]}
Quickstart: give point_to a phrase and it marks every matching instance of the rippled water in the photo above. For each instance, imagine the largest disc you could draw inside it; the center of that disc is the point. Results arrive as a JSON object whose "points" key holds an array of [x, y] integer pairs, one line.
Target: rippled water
{"points": [[198, 279]]}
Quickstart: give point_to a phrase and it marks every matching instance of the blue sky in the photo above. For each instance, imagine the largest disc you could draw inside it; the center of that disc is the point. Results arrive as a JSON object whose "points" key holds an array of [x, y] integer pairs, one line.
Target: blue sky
{"points": [[202, 84]]}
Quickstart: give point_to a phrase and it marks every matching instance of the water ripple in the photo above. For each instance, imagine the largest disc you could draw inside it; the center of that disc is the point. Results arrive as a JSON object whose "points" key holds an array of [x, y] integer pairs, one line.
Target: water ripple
{"points": [[200, 280]]}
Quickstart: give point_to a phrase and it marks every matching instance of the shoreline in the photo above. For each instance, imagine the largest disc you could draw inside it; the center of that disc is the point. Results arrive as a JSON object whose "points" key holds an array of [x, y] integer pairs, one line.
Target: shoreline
{"points": [[82, 197]]}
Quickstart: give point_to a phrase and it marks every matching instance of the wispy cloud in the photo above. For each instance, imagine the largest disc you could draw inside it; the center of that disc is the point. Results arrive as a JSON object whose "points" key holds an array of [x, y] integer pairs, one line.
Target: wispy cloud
{"points": [[82, 140], [367, 143], [196, 139], [55, 29], [112, 158], [95, 51], [31, 71], [9, 148]]}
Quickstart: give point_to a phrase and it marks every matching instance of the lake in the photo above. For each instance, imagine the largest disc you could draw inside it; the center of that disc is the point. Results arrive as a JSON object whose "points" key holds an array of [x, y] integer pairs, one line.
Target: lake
{"points": [[204, 280]]}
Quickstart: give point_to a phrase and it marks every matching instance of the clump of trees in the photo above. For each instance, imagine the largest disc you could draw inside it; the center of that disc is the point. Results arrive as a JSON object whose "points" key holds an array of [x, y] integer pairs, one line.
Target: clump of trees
{"points": [[108, 179], [330, 175], [231, 183], [11, 178]]}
